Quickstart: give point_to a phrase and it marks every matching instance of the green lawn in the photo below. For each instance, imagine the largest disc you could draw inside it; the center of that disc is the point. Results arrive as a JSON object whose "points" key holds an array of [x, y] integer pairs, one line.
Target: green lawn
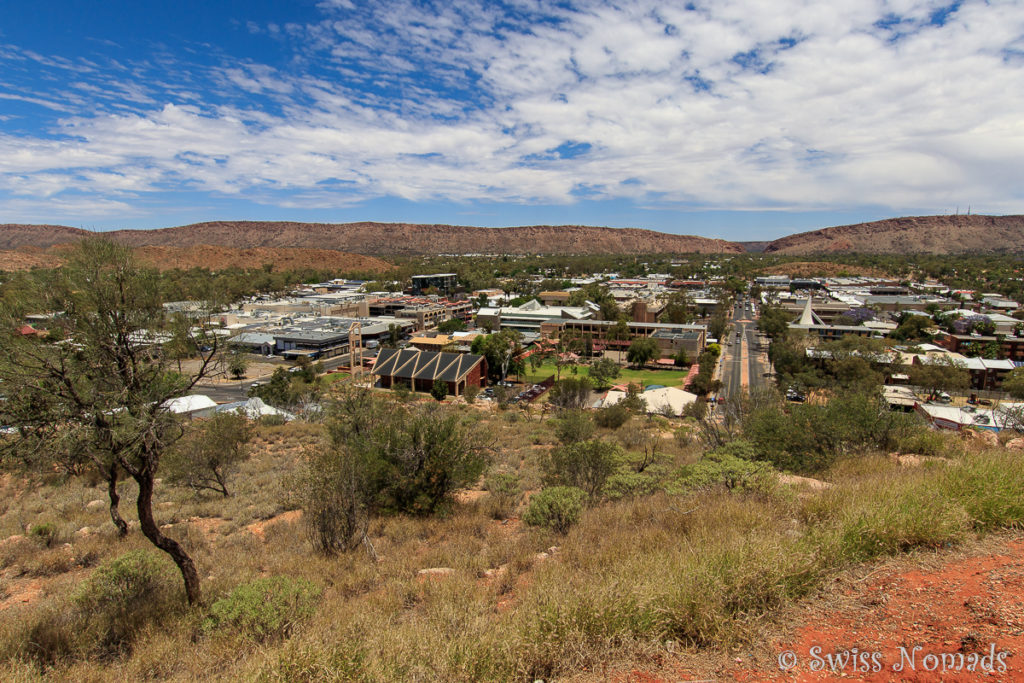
{"points": [[670, 378], [333, 377]]}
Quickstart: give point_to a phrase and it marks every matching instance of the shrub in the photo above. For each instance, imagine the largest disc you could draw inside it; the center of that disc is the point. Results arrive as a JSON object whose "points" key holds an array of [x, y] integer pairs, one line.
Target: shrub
{"points": [[210, 452], [439, 390], [265, 609], [809, 437], [697, 410], [574, 426], [570, 393], [382, 458], [629, 483], [505, 493], [585, 465], [46, 534], [924, 441], [556, 508], [731, 466], [333, 496], [471, 392], [612, 417], [125, 594]]}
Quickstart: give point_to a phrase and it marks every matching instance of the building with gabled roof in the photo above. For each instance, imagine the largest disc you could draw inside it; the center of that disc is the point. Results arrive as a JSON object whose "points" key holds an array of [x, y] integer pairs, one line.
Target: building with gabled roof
{"points": [[418, 369]]}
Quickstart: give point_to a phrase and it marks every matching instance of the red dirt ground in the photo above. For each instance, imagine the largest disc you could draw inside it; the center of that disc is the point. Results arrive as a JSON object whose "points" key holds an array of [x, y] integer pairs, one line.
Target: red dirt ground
{"points": [[952, 602], [971, 605]]}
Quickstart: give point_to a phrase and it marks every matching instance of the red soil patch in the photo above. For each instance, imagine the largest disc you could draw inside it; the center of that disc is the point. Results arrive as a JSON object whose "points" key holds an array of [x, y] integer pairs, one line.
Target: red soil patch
{"points": [[950, 603], [259, 529], [970, 606], [469, 496], [22, 592]]}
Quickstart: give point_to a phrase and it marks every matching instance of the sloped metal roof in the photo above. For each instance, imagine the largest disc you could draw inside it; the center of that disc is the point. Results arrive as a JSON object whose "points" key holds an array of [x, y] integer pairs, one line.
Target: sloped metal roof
{"points": [[428, 365]]}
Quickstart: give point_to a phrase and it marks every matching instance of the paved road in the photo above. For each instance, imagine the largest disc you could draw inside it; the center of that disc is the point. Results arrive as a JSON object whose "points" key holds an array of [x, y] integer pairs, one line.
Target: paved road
{"points": [[228, 392], [743, 361], [225, 392]]}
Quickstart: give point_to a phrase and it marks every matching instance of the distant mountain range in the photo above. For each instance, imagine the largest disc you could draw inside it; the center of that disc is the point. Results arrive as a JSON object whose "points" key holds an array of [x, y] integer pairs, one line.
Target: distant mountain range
{"points": [[959, 234], [921, 234], [389, 239]]}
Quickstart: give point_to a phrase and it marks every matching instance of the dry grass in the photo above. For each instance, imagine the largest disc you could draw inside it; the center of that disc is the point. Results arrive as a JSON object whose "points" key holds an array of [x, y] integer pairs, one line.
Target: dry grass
{"points": [[635, 579]]}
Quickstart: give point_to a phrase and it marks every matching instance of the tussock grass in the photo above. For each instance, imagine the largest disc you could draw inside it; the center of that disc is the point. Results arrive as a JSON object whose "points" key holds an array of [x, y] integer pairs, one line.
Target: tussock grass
{"points": [[633, 578]]}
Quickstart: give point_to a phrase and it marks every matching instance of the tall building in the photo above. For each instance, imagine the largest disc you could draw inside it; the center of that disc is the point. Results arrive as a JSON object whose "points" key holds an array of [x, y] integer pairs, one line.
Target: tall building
{"points": [[444, 283]]}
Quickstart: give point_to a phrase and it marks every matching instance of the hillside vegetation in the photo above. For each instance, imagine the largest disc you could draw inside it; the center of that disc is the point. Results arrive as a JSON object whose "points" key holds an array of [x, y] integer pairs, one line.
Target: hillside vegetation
{"points": [[691, 551]]}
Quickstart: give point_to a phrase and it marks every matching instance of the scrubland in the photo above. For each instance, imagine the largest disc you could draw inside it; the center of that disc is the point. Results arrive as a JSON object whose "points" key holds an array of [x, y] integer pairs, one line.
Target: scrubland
{"points": [[679, 557]]}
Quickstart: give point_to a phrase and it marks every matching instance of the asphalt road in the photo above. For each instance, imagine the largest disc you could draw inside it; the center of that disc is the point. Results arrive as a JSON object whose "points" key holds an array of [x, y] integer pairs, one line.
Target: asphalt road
{"points": [[743, 338], [234, 390]]}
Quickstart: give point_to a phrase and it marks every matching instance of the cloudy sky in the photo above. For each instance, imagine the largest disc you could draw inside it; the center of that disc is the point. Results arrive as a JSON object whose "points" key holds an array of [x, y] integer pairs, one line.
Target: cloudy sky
{"points": [[741, 119]]}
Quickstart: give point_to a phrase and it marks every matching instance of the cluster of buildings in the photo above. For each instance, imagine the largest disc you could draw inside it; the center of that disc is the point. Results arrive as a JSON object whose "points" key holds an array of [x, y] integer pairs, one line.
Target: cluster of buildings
{"points": [[336, 318]]}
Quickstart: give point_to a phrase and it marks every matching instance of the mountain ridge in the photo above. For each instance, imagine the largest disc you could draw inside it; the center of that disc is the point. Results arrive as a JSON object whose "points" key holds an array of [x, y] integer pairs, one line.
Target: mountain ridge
{"points": [[956, 234], [385, 239], [973, 233]]}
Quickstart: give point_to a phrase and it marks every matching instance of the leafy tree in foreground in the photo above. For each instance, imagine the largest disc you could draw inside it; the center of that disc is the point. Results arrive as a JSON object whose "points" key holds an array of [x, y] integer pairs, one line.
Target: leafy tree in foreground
{"points": [[383, 457], [103, 379]]}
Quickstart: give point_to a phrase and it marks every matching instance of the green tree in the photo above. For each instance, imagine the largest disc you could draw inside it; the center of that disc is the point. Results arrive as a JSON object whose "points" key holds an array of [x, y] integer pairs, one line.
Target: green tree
{"points": [[181, 346], [583, 464], [603, 371], [774, 321], [913, 327], [719, 321], [643, 351], [451, 325], [619, 331], [238, 361], [940, 374], [108, 385], [439, 390], [210, 452], [679, 309], [502, 351], [1014, 383]]}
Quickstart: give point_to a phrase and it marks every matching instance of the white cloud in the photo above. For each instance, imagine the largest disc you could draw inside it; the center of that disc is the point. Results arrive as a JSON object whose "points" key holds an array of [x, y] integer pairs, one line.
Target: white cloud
{"points": [[733, 104]]}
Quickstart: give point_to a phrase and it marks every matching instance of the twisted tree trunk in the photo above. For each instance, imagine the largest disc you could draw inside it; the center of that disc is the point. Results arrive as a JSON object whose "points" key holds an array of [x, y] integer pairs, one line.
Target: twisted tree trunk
{"points": [[115, 500], [165, 543]]}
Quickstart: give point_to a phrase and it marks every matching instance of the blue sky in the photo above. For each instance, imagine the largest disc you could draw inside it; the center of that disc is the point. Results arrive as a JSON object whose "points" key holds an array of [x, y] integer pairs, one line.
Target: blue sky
{"points": [[738, 119]]}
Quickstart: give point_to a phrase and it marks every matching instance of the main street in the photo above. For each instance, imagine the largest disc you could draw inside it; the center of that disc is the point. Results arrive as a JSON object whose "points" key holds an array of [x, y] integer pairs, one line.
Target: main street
{"points": [[743, 361]]}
